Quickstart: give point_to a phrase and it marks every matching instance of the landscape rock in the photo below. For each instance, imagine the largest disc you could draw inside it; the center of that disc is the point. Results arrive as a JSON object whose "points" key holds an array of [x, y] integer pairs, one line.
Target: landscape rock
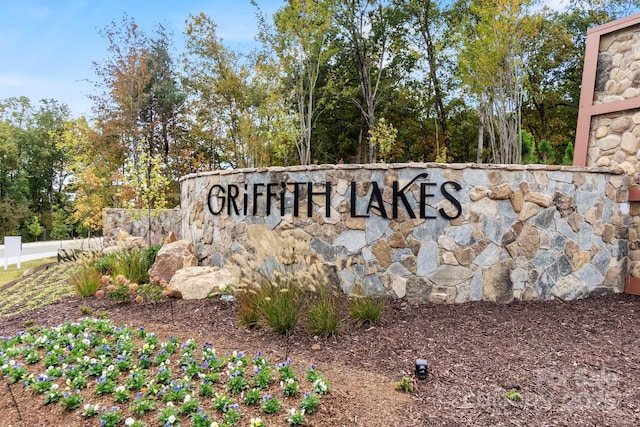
{"points": [[198, 282], [171, 258]]}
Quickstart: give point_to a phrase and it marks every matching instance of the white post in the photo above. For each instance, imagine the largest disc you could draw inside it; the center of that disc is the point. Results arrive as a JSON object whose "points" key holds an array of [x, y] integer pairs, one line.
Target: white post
{"points": [[12, 248]]}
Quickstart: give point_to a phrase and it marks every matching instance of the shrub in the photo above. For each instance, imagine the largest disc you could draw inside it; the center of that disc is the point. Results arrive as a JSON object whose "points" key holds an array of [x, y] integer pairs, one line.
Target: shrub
{"points": [[365, 309], [323, 317], [248, 308], [132, 264], [105, 264], [277, 303], [275, 273], [86, 280]]}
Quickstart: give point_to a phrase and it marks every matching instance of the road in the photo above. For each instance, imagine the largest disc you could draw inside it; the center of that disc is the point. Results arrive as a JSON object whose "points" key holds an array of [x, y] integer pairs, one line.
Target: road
{"points": [[38, 250]]}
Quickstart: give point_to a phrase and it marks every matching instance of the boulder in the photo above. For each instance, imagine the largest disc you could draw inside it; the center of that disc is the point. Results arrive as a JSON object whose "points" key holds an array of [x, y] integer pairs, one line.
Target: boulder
{"points": [[171, 258], [198, 282]]}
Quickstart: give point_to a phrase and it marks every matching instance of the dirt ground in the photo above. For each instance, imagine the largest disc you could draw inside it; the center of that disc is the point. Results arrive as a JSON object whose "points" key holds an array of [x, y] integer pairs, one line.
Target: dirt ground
{"points": [[574, 363]]}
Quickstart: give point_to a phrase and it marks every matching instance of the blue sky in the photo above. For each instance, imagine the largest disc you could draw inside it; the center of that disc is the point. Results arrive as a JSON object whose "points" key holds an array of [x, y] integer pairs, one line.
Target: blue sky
{"points": [[47, 46]]}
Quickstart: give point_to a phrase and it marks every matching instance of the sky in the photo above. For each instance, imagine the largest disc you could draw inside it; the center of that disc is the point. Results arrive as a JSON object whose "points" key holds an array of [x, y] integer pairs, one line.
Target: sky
{"points": [[47, 47]]}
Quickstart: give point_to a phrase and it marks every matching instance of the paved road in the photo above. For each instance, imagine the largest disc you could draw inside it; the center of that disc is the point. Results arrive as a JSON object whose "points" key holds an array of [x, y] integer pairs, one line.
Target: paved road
{"points": [[38, 250]]}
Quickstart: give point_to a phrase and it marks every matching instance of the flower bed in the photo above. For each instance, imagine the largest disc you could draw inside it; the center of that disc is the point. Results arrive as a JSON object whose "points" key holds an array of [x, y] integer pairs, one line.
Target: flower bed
{"points": [[114, 374]]}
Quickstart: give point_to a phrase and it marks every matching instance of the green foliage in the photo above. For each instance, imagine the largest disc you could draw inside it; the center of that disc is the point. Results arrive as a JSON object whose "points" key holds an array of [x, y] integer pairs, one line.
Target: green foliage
{"points": [[310, 403], [270, 404], [61, 225], [323, 317], [567, 159], [34, 227], [133, 264], [383, 136], [513, 395], [546, 151], [405, 385], [529, 154], [365, 309], [105, 264], [277, 302], [86, 280]]}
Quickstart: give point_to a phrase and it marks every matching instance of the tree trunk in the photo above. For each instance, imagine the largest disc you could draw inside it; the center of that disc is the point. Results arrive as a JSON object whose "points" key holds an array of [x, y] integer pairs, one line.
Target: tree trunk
{"points": [[480, 143]]}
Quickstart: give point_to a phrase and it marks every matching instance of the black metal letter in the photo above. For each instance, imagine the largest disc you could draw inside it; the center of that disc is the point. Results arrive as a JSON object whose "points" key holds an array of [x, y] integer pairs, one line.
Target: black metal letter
{"points": [[451, 199], [222, 198], [377, 194], [353, 202]]}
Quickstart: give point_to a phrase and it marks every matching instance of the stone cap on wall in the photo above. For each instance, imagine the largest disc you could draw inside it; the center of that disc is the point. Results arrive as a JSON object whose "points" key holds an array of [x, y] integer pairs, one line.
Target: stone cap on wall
{"points": [[393, 166]]}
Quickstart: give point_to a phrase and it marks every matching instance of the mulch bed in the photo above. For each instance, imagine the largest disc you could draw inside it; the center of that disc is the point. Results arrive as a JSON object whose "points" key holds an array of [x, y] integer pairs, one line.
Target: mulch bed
{"points": [[574, 363]]}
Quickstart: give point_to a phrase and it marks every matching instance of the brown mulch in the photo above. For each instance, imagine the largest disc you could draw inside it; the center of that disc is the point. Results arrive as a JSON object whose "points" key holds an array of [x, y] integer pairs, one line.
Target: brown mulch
{"points": [[575, 363]]}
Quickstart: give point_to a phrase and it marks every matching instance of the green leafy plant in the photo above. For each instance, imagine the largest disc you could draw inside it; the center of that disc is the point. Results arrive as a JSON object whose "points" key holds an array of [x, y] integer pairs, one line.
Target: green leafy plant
{"points": [[513, 395], [290, 387], [113, 356], [286, 371], [270, 404], [405, 385], [86, 280], [310, 402], [222, 402], [110, 418], [142, 405], [169, 416], [189, 406], [90, 410], [262, 377], [232, 416], [71, 401], [53, 395], [296, 418], [252, 397]]}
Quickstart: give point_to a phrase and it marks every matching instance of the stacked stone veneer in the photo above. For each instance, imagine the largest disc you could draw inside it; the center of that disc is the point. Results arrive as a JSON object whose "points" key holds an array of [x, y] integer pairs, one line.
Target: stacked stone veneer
{"points": [[524, 232], [136, 223], [613, 139]]}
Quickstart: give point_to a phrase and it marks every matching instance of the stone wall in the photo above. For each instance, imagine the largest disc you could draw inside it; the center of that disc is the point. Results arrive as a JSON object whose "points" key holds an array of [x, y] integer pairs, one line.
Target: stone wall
{"points": [[429, 232], [136, 223], [613, 137]]}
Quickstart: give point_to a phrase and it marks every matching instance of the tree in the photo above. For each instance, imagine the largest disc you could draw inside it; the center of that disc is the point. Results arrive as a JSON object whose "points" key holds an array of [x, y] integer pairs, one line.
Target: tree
{"points": [[164, 98], [14, 188], [493, 69], [549, 106], [384, 137], [301, 42], [430, 39], [372, 36], [33, 172], [137, 101], [222, 103], [34, 227], [95, 177], [601, 11]]}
